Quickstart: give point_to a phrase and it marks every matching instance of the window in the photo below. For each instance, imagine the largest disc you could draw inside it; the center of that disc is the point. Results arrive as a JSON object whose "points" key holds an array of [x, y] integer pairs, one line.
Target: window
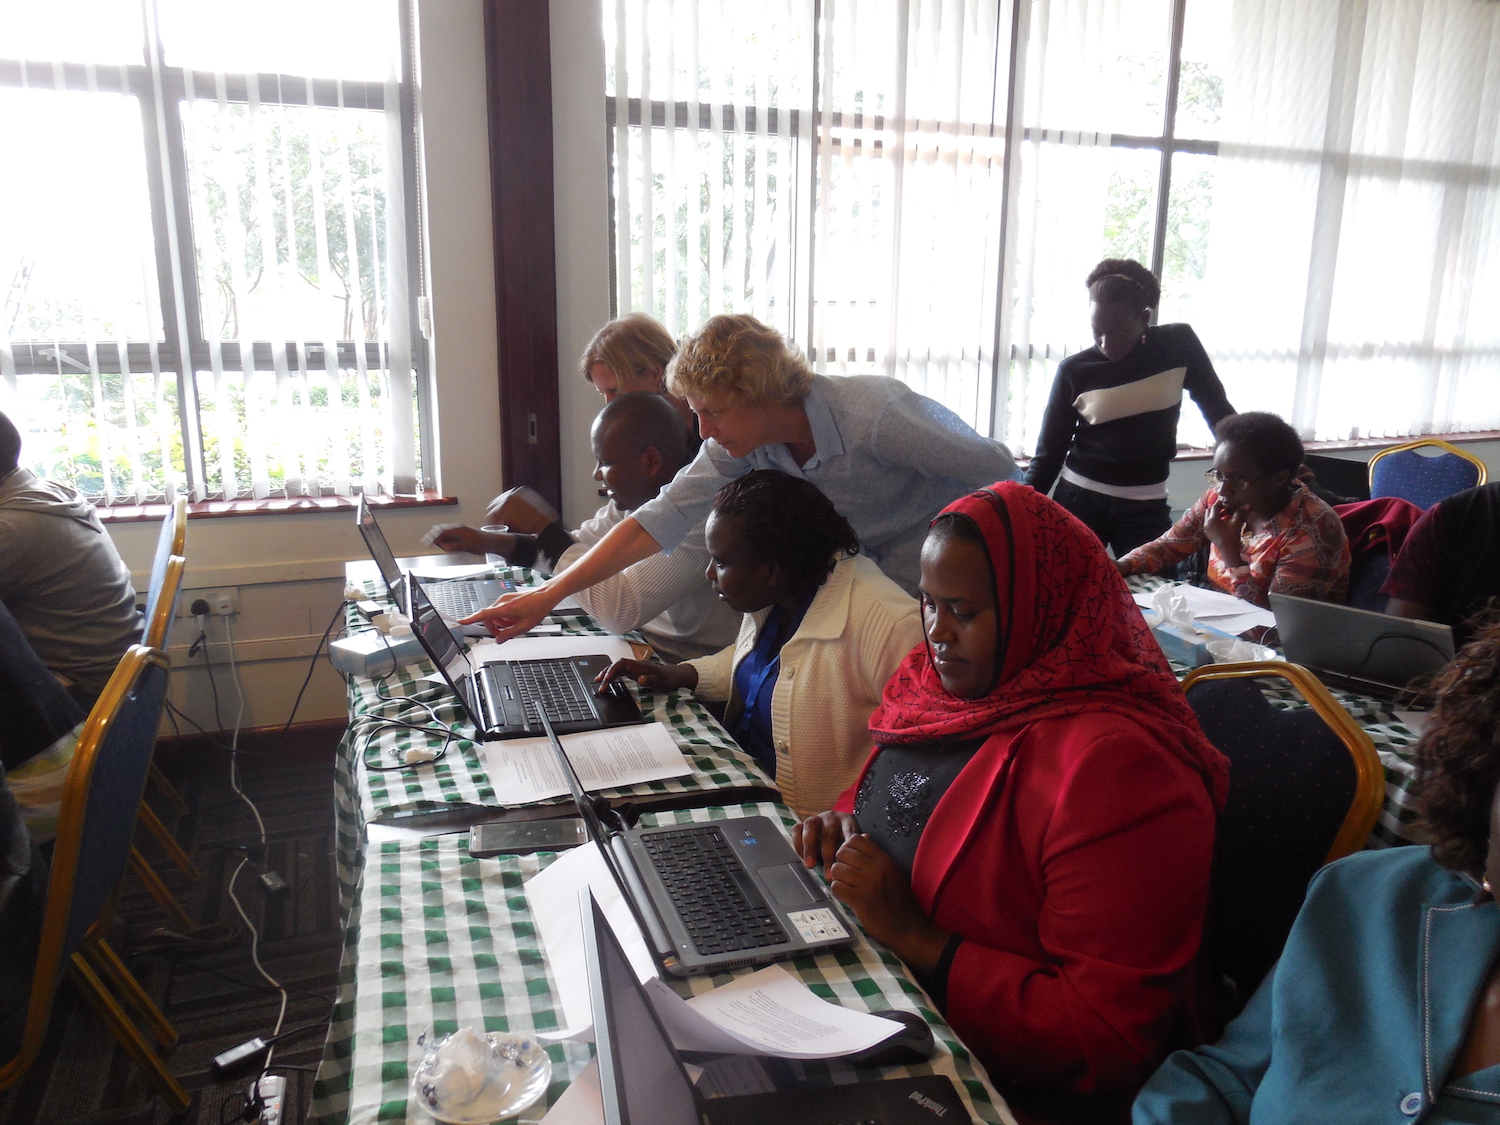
{"points": [[1313, 183], [213, 284]]}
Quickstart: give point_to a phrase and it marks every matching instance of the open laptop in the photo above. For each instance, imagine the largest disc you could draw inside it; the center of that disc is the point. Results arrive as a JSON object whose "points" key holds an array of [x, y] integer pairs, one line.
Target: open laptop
{"points": [[1375, 653], [500, 699], [713, 896], [643, 1082], [454, 597]]}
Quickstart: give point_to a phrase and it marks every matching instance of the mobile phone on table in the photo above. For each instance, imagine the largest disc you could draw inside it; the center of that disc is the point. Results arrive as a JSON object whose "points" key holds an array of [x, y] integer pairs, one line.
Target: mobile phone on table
{"points": [[487, 840]]}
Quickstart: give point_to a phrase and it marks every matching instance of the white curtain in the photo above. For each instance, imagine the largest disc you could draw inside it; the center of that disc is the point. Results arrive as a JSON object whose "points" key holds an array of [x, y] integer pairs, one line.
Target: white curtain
{"points": [[1354, 260], [710, 102], [910, 164], [277, 258], [1088, 69]]}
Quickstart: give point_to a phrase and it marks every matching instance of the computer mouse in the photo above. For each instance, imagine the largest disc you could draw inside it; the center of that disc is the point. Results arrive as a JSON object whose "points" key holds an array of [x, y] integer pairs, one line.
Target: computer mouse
{"points": [[912, 1044]]}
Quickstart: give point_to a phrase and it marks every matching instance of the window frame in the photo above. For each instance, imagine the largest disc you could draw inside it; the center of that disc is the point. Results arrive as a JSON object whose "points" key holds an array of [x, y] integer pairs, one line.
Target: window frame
{"points": [[160, 91]]}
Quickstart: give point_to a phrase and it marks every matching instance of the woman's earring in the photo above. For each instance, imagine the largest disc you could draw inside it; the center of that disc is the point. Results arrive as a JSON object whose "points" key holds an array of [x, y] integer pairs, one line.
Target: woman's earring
{"points": [[1489, 890]]}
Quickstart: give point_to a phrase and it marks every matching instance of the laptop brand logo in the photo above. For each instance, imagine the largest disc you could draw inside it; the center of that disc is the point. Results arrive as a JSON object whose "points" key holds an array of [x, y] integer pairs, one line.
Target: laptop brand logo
{"points": [[928, 1104]]}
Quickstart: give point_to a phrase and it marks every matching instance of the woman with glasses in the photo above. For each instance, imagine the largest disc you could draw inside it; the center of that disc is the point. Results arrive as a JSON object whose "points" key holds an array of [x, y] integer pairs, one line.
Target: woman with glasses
{"points": [[1110, 428], [1265, 532]]}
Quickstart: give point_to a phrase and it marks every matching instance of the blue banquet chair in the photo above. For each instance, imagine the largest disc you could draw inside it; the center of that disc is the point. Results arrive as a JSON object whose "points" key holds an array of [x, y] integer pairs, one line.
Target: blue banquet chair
{"points": [[1405, 471], [100, 799]]}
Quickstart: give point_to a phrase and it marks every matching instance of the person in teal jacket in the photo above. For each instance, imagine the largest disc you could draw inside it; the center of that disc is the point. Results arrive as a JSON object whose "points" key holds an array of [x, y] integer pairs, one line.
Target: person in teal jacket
{"points": [[1385, 1005]]}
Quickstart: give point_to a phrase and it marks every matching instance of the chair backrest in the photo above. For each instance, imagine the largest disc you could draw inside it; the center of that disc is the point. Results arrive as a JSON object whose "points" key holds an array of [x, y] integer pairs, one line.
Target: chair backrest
{"points": [[1305, 788], [161, 608], [1404, 471], [172, 541], [106, 780]]}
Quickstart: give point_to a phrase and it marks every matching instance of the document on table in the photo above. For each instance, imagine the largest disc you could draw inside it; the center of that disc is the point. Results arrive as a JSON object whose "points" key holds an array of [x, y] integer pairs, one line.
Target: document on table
{"points": [[769, 1012], [437, 570], [1216, 609], [524, 770]]}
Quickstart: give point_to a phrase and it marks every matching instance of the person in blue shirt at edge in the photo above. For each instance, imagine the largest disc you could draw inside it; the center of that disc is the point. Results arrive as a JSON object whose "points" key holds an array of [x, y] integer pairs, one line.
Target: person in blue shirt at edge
{"points": [[888, 458], [1110, 427], [1385, 1005], [823, 630]]}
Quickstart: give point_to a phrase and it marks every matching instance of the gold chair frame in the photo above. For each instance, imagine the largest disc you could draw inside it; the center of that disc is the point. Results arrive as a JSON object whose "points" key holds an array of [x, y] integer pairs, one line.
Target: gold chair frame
{"points": [[1435, 443], [1369, 783], [94, 967]]}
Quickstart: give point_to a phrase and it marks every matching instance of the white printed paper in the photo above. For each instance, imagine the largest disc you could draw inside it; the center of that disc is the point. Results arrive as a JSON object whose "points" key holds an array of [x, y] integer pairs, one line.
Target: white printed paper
{"points": [[525, 770], [552, 895]]}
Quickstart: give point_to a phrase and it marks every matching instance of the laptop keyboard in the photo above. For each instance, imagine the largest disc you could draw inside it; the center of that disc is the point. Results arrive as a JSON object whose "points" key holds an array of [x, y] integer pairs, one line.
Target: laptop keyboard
{"points": [[553, 685], [454, 599], [722, 910]]}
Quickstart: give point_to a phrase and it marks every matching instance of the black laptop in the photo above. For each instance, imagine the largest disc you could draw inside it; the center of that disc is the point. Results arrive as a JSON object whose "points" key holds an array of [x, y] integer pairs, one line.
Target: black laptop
{"points": [[501, 699], [453, 597], [712, 896], [643, 1082]]}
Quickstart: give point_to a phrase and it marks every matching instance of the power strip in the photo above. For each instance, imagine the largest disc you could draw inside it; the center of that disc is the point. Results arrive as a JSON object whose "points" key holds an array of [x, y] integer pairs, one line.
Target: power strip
{"points": [[272, 1092]]}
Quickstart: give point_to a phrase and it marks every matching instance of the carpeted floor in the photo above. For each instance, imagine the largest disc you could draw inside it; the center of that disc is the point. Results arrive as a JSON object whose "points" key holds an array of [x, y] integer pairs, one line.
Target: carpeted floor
{"points": [[214, 997]]}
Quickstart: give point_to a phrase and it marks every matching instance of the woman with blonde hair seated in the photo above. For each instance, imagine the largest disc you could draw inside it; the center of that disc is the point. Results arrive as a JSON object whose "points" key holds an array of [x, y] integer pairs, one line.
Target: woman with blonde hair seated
{"points": [[631, 353], [822, 632], [886, 457]]}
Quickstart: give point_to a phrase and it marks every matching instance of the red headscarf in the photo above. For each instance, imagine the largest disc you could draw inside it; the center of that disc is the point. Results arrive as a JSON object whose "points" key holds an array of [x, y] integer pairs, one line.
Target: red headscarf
{"points": [[1071, 641]]}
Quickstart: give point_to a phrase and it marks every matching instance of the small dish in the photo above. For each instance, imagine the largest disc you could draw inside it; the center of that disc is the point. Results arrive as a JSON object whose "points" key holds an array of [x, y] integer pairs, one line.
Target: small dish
{"points": [[517, 1071]]}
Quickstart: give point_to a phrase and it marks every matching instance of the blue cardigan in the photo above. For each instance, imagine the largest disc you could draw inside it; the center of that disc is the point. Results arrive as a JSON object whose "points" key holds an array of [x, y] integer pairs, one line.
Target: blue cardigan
{"points": [[1363, 1015]]}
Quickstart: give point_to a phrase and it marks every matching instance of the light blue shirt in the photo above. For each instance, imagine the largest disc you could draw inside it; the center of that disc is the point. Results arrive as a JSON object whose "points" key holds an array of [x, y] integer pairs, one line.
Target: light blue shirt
{"points": [[888, 458]]}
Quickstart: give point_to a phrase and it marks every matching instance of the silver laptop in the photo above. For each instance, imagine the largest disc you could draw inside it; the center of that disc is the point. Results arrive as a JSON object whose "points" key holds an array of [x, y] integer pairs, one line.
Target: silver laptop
{"points": [[642, 1080], [453, 597], [712, 896], [504, 698], [1375, 653]]}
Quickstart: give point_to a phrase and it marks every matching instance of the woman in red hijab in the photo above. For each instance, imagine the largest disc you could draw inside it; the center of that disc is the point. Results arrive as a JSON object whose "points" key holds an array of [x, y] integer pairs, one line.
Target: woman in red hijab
{"points": [[1034, 832]]}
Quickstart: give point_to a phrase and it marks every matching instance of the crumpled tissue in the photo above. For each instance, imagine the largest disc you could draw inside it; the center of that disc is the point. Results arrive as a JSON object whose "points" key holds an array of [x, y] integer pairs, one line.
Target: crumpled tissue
{"points": [[465, 1064], [1238, 651]]}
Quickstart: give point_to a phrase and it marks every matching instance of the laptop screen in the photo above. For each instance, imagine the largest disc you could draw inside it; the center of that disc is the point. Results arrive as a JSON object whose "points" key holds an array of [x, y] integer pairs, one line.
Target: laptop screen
{"points": [[379, 549], [640, 1076], [438, 641]]}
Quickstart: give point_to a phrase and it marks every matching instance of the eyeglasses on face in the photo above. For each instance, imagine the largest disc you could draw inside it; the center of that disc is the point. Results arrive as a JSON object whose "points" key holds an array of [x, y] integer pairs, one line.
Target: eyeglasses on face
{"points": [[1213, 476]]}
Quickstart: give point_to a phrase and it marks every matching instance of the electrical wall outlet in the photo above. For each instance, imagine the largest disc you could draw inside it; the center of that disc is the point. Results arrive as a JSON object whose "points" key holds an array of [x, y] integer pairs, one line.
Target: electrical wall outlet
{"points": [[221, 602]]}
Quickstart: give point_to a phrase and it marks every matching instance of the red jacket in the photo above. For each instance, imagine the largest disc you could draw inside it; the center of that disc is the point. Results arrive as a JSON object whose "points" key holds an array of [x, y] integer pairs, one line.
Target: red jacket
{"points": [[1074, 855]]}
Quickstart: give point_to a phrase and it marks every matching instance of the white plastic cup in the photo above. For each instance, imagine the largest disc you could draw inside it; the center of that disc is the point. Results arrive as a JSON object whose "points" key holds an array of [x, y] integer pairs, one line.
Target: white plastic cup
{"points": [[495, 529]]}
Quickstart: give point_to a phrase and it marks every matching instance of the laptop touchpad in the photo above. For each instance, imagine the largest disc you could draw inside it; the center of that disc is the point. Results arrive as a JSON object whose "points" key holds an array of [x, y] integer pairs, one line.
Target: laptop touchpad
{"points": [[785, 885]]}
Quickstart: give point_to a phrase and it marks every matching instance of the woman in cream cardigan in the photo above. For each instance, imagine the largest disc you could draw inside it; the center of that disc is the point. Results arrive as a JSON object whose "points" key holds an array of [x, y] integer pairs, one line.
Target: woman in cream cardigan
{"points": [[822, 632]]}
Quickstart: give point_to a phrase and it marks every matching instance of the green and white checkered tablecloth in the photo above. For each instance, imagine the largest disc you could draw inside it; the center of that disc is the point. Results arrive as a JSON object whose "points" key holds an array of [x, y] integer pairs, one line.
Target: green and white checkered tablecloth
{"points": [[436, 939], [1394, 741]]}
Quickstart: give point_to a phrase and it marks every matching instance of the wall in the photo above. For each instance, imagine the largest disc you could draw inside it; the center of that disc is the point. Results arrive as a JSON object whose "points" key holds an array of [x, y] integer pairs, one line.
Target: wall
{"points": [[581, 198], [289, 569]]}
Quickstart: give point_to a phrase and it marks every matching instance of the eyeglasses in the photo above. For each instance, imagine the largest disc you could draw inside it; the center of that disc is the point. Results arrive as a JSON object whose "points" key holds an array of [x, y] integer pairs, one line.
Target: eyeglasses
{"points": [[1213, 476]]}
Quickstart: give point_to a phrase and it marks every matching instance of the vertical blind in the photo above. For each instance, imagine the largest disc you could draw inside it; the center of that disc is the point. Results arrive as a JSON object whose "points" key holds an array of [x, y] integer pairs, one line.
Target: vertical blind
{"points": [[1314, 183], [210, 290]]}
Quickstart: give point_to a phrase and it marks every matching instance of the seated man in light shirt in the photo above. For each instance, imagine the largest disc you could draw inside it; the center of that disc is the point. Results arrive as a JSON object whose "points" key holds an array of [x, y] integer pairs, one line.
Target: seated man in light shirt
{"points": [[61, 577], [639, 442]]}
